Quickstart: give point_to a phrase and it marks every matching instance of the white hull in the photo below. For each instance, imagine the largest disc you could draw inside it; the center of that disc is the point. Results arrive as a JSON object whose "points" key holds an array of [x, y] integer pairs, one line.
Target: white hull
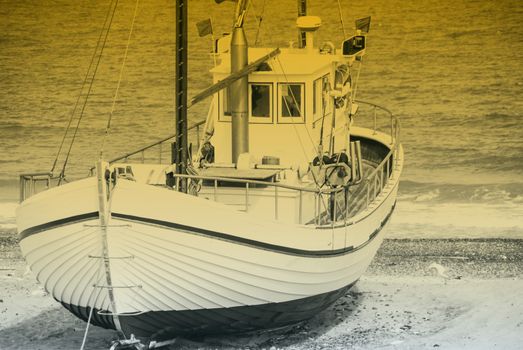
{"points": [[172, 252]]}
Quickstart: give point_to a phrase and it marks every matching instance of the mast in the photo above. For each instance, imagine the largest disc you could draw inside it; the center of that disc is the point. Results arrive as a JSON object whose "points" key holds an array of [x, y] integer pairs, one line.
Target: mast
{"points": [[180, 150], [239, 89], [302, 11]]}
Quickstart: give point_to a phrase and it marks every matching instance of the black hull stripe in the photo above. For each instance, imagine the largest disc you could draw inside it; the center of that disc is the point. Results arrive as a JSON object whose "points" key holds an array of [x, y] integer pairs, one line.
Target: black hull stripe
{"points": [[254, 243], [57, 223], [101, 320], [218, 235], [161, 325]]}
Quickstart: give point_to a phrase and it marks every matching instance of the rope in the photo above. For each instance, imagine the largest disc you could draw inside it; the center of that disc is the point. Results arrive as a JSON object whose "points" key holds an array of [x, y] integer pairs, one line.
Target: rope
{"points": [[259, 18], [108, 127], [341, 19], [62, 173], [97, 280], [82, 88], [87, 328], [296, 130], [297, 106], [356, 82]]}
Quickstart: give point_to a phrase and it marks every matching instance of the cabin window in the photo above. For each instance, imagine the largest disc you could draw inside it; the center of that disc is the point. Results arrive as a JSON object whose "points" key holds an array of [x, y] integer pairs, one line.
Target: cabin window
{"points": [[291, 102], [225, 106], [260, 102]]}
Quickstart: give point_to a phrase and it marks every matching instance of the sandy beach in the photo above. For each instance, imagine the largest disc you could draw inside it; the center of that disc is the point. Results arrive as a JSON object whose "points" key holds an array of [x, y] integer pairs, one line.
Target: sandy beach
{"points": [[417, 294]]}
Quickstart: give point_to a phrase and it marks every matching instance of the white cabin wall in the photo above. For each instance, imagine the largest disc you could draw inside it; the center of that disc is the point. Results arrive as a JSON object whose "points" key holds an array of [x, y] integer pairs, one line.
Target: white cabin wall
{"points": [[294, 143]]}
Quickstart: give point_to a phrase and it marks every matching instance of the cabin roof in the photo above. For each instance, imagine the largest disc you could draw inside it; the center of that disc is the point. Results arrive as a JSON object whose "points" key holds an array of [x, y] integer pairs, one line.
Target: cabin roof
{"points": [[293, 61]]}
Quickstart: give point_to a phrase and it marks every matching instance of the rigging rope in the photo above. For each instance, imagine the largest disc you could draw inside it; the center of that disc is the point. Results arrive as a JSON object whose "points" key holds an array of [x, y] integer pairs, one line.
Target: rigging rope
{"points": [[96, 281], [259, 18], [341, 19], [299, 111], [83, 86], [296, 104], [62, 173], [296, 130], [108, 127]]}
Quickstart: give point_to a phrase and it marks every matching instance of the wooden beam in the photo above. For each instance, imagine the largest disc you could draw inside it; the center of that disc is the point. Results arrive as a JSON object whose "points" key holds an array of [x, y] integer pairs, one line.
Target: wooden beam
{"points": [[232, 78]]}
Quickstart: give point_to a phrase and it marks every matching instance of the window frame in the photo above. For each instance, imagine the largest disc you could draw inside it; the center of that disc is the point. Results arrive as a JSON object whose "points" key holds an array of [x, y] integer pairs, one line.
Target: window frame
{"points": [[289, 119], [317, 101], [256, 119], [222, 117]]}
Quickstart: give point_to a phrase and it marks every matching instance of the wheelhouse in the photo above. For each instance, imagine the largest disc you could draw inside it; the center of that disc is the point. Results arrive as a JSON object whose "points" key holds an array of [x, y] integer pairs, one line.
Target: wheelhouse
{"points": [[286, 101]]}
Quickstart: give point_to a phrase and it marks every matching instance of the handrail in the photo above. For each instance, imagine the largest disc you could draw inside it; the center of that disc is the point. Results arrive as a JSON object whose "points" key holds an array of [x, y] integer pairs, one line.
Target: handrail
{"points": [[374, 182], [145, 148], [28, 183], [264, 183], [320, 193], [375, 105]]}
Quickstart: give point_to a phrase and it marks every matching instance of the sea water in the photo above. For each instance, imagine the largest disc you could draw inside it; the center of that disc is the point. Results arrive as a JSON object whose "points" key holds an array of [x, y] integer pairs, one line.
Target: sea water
{"points": [[452, 70]]}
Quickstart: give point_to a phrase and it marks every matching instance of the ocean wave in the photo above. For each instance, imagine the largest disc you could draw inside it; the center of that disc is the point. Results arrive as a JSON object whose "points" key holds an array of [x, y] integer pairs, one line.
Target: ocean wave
{"points": [[455, 220], [504, 193]]}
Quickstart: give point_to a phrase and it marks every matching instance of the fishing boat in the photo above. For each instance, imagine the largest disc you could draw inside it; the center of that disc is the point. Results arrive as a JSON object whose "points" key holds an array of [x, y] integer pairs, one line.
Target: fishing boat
{"points": [[272, 214]]}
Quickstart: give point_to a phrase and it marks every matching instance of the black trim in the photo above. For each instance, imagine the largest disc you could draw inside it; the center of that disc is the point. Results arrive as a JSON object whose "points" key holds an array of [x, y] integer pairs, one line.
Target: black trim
{"points": [[99, 318], [57, 223], [254, 243], [160, 325], [219, 235]]}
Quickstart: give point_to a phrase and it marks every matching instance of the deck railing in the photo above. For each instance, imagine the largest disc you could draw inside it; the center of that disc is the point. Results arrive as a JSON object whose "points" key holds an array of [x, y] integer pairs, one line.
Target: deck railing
{"points": [[31, 184], [378, 178], [328, 205], [322, 196]]}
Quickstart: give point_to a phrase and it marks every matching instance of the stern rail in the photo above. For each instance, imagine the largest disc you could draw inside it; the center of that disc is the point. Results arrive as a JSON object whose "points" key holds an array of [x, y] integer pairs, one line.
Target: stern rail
{"points": [[32, 183]]}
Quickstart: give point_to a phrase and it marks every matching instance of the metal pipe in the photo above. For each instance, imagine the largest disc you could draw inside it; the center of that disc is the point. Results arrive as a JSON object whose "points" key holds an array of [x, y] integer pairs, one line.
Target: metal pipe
{"points": [[353, 160], [391, 129], [239, 95], [360, 162], [276, 202], [246, 197], [22, 188], [300, 214]]}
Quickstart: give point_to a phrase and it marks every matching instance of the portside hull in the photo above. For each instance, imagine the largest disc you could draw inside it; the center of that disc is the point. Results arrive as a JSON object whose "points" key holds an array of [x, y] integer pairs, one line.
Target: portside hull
{"points": [[179, 264], [176, 279], [159, 325]]}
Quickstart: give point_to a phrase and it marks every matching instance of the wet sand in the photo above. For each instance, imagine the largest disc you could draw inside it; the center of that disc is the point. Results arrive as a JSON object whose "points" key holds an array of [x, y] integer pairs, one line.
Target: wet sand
{"points": [[417, 294]]}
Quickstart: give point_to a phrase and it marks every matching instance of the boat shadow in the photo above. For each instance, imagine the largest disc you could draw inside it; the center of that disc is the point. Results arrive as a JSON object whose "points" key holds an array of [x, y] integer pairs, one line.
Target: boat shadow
{"points": [[54, 329], [320, 324], [58, 329]]}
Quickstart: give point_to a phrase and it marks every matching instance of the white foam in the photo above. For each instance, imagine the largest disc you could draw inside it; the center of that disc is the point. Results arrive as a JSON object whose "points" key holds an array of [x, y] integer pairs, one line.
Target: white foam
{"points": [[419, 219], [7, 215]]}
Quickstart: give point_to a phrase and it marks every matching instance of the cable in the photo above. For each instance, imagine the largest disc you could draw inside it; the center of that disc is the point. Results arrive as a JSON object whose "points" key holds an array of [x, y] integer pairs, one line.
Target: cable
{"points": [[341, 19], [108, 127], [96, 280], [62, 173], [82, 88], [259, 18]]}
